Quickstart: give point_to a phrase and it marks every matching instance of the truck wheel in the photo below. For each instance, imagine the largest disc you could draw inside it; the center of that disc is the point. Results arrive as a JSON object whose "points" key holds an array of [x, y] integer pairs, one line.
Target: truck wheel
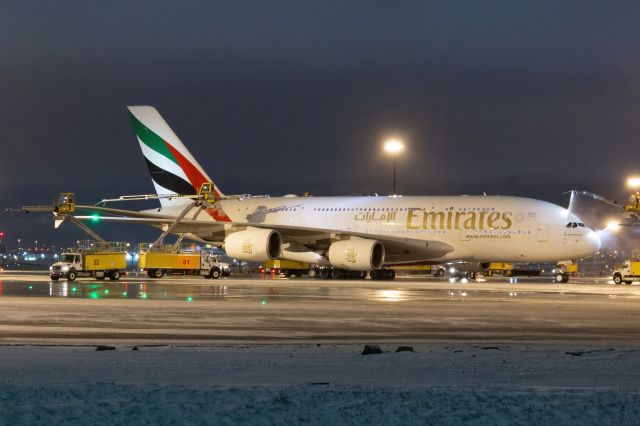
{"points": [[617, 278], [559, 278], [55, 278], [215, 273], [158, 273], [71, 275], [115, 276]]}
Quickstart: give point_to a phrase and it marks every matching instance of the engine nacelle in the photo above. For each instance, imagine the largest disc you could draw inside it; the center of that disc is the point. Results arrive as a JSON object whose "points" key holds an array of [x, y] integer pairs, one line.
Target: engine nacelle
{"points": [[357, 254], [254, 245]]}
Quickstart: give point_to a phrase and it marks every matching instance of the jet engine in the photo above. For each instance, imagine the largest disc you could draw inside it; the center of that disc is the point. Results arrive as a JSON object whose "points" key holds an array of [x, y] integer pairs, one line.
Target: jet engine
{"points": [[254, 244], [357, 254]]}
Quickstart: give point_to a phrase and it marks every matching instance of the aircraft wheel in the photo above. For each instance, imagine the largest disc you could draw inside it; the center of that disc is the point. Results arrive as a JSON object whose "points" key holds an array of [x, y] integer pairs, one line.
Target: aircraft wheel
{"points": [[336, 274], [324, 273]]}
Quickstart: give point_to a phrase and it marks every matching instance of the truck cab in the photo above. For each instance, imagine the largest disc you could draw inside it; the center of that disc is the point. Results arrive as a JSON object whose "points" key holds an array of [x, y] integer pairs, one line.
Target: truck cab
{"points": [[628, 272], [214, 264], [67, 267]]}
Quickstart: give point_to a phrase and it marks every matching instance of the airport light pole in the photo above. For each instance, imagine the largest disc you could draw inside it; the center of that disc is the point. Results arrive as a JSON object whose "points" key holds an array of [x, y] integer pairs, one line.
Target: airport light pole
{"points": [[393, 147]]}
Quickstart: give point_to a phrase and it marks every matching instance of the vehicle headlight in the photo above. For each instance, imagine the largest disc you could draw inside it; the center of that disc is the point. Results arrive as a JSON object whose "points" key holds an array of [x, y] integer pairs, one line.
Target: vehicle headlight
{"points": [[51, 268], [65, 268]]}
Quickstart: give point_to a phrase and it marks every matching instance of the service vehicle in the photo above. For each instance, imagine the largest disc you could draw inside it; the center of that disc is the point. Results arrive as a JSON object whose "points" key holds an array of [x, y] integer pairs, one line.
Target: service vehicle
{"points": [[97, 259], [288, 268], [499, 268], [414, 269], [511, 270], [563, 270], [160, 260], [627, 273]]}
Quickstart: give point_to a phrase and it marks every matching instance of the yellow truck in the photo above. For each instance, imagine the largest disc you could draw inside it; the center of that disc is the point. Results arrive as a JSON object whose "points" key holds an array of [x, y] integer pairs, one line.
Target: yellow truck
{"points": [[627, 273], [563, 270], [165, 260], [289, 268], [499, 268], [95, 259], [511, 270]]}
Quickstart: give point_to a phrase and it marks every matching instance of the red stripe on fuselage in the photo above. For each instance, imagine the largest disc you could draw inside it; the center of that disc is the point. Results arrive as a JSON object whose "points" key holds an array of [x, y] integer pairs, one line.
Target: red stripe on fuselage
{"points": [[218, 214]]}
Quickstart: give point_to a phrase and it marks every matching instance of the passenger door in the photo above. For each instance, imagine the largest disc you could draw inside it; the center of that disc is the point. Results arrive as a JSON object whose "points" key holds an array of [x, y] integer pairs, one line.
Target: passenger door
{"points": [[543, 232]]}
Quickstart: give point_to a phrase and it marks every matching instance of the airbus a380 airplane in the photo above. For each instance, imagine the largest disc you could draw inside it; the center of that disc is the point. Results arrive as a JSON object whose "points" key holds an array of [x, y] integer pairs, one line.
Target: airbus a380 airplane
{"points": [[361, 233]]}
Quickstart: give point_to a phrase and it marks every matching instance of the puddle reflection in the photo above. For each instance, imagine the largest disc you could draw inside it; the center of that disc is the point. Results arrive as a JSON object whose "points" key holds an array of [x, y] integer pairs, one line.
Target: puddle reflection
{"points": [[110, 290]]}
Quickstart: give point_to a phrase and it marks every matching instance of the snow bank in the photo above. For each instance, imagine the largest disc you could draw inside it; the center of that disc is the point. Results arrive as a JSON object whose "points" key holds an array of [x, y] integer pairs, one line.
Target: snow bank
{"points": [[139, 404]]}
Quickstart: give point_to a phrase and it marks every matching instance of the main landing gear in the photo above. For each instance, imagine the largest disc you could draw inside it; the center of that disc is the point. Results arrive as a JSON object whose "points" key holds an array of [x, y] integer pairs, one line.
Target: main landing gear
{"points": [[382, 274], [329, 272]]}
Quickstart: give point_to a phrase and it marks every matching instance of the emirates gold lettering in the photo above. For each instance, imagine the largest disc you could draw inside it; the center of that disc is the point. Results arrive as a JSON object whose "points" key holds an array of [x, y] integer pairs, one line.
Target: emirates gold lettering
{"points": [[351, 256], [449, 220], [442, 220]]}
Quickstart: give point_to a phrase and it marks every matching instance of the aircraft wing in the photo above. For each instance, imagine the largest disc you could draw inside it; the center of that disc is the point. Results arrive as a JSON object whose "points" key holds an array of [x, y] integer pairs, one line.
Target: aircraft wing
{"points": [[122, 213], [397, 249]]}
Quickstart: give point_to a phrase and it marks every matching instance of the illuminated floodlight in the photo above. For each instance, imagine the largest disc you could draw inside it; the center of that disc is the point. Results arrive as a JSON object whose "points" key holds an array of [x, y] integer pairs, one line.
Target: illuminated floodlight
{"points": [[393, 146], [633, 182], [613, 226]]}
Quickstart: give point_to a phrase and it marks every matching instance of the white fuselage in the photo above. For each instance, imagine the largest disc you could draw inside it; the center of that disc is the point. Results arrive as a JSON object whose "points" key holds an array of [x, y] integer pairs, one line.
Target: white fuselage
{"points": [[480, 228]]}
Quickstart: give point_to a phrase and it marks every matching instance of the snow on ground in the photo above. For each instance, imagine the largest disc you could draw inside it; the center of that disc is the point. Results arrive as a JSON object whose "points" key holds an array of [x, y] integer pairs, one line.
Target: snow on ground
{"points": [[328, 384]]}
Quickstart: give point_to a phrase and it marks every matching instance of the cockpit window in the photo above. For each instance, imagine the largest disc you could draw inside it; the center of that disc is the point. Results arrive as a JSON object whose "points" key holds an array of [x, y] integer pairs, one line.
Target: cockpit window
{"points": [[575, 225]]}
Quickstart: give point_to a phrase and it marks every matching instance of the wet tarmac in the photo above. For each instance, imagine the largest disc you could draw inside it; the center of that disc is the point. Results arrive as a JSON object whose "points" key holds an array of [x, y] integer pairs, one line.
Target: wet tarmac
{"points": [[270, 309]]}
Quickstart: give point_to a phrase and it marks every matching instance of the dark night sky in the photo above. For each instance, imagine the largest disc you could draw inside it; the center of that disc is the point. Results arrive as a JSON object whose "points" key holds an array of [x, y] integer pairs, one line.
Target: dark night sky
{"points": [[517, 98]]}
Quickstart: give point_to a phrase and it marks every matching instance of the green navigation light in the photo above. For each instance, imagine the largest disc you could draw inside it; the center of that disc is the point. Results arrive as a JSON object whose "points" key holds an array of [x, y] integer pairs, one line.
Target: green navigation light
{"points": [[264, 302], [95, 217]]}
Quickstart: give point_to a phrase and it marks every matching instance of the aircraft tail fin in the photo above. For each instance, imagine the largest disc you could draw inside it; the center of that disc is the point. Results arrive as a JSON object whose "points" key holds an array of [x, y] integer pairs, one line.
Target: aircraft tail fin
{"points": [[172, 167]]}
